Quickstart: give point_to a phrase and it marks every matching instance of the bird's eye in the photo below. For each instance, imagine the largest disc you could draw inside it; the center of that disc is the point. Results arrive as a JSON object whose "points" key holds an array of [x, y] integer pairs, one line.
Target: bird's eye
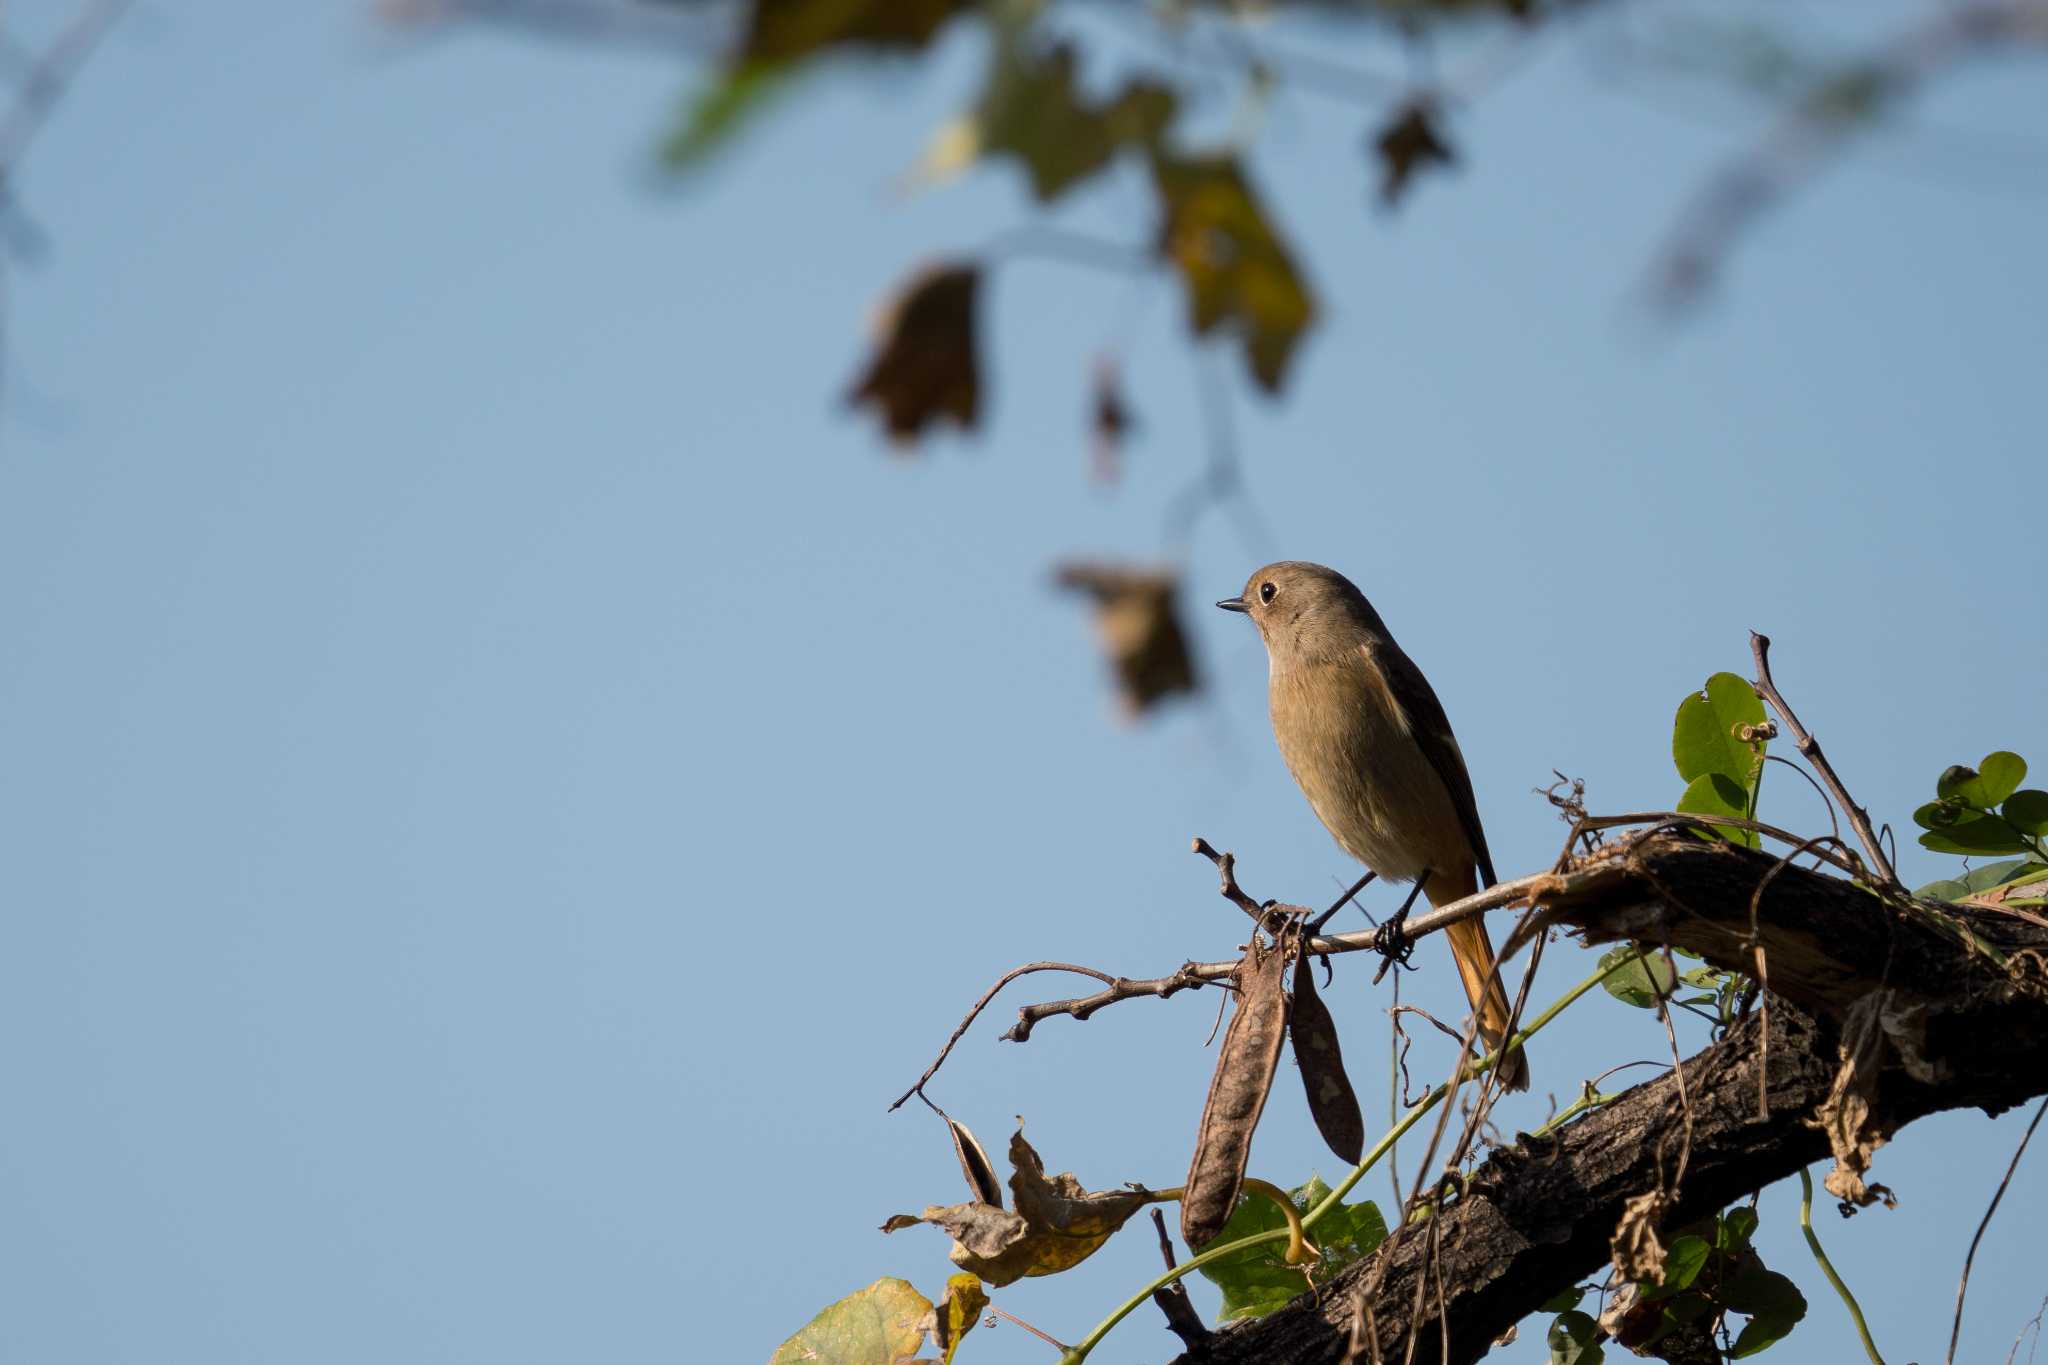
{"points": [[1266, 592]]}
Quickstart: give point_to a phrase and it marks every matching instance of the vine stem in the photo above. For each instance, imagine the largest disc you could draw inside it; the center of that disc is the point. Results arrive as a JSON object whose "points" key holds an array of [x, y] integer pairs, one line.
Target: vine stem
{"points": [[1827, 1267], [1079, 1351]]}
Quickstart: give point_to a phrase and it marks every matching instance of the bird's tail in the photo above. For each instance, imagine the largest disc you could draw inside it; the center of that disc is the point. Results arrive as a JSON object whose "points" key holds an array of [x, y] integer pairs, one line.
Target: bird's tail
{"points": [[1474, 953]]}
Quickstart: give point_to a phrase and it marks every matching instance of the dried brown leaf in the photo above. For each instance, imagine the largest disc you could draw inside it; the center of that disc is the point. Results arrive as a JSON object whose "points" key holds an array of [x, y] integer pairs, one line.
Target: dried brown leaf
{"points": [[1140, 630], [1637, 1249], [1847, 1114], [1237, 1094], [1109, 421], [1057, 1224], [1408, 144], [926, 364], [1331, 1100]]}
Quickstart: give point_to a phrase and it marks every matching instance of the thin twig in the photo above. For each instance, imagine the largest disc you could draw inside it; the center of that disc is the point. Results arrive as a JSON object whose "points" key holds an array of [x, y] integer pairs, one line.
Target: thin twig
{"points": [[981, 1004], [1809, 749], [1181, 1318], [1048, 1339], [1828, 1269], [1963, 1285]]}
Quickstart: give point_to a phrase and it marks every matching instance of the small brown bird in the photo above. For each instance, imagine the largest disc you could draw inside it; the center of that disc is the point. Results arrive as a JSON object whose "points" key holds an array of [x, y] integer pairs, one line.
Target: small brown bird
{"points": [[1369, 743]]}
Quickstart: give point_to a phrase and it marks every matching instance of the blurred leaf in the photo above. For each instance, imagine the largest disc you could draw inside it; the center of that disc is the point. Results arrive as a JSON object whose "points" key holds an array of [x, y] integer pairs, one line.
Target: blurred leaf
{"points": [[1719, 794], [1562, 1301], [925, 365], [1109, 421], [1975, 834], [1771, 1302], [1057, 1224], [1407, 144], [879, 1325], [1572, 1340], [1735, 1228], [1953, 779], [1683, 1260], [719, 110], [2028, 810], [956, 1313], [1704, 735], [778, 30], [1978, 879], [1031, 110], [1706, 978], [1236, 270], [1139, 626], [1256, 1280], [1640, 983]]}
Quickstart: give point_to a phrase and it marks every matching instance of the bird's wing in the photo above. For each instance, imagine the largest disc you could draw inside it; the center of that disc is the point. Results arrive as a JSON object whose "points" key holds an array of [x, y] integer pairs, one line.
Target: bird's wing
{"points": [[1431, 729]]}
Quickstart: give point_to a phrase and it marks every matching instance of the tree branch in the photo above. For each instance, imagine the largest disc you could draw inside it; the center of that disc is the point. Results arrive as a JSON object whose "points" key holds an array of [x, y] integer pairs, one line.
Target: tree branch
{"points": [[1915, 1008]]}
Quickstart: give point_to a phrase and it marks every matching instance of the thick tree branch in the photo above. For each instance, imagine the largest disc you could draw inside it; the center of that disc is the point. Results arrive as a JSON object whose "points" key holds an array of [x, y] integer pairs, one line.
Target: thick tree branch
{"points": [[1946, 1007]]}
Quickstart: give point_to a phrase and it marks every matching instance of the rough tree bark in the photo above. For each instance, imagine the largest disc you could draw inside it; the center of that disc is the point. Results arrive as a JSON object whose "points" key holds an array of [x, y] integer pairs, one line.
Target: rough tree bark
{"points": [[1878, 1014]]}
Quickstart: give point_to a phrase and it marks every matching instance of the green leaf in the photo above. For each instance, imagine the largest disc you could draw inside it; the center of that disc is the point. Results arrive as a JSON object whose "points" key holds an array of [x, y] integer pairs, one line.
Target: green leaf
{"points": [[1718, 794], [878, 1325], [1236, 271], [1735, 1228], [1706, 978], [956, 1313], [1683, 1261], [1998, 777], [2028, 810], [1257, 1280], [1032, 110], [780, 29], [1975, 834], [1704, 735], [721, 109], [1938, 814], [1571, 1340], [1952, 781], [1772, 1303], [1640, 983], [1562, 1301]]}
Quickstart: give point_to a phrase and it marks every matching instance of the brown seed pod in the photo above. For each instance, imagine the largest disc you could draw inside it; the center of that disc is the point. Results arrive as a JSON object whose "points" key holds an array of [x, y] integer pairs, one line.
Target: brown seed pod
{"points": [[1331, 1100], [975, 1165], [1237, 1095]]}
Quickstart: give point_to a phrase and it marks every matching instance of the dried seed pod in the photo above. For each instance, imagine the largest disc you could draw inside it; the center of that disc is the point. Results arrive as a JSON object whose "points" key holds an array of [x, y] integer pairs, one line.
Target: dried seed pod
{"points": [[975, 1165], [1237, 1095], [1331, 1100]]}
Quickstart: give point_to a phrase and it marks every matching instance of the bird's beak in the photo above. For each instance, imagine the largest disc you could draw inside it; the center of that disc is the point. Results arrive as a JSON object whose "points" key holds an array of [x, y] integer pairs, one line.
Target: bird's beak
{"points": [[1234, 604]]}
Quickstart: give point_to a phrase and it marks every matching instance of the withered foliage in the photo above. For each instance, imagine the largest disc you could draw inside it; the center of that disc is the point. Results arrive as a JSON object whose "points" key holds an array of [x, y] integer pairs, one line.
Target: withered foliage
{"points": [[926, 364], [1139, 626], [1409, 143], [1057, 1223]]}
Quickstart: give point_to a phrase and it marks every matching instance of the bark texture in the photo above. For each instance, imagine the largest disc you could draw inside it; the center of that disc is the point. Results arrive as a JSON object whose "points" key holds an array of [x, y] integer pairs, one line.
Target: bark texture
{"points": [[1879, 1013]]}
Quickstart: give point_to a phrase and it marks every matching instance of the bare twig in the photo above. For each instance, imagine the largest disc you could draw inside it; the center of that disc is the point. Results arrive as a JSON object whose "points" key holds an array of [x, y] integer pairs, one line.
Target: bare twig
{"points": [[981, 1004], [1809, 749], [1956, 1330], [1047, 1338], [1181, 1318]]}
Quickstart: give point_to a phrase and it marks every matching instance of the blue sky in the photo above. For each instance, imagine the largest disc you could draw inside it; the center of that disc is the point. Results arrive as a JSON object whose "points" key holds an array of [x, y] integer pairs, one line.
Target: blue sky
{"points": [[506, 777]]}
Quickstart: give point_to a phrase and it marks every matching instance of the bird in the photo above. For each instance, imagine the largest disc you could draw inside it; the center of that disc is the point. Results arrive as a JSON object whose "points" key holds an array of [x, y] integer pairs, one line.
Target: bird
{"points": [[1368, 742]]}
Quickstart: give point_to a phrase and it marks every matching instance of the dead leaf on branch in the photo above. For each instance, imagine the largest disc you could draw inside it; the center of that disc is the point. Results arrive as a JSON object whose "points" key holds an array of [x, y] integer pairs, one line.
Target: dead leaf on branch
{"points": [[1407, 145], [1637, 1250], [1846, 1114], [1057, 1224], [1236, 270], [1140, 630], [779, 30], [926, 364], [1032, 111]]}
